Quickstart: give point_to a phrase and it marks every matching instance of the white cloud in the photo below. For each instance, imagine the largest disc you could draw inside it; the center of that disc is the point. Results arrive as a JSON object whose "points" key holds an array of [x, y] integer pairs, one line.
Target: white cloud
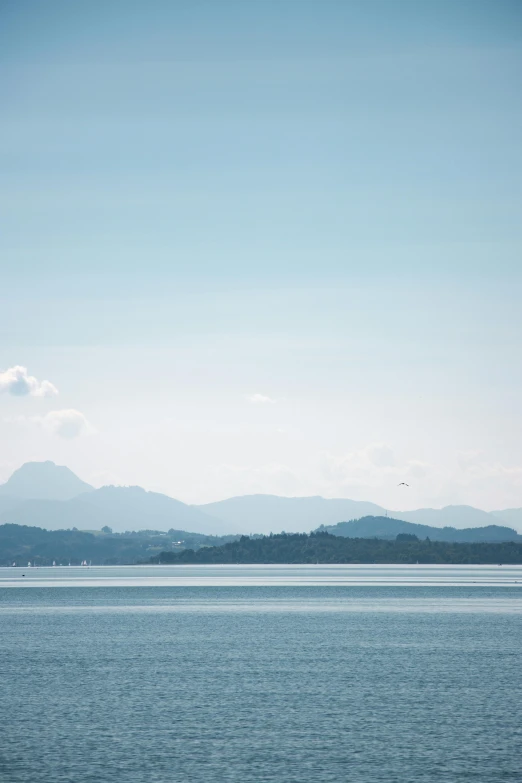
{"points": [[380, 454], [273, 478], [374, 466], [477, 480], [19, 383], [416, 468], [360, 466], [46, 389], [260, 399], [67, 423], [469, 460], [477, 468]]}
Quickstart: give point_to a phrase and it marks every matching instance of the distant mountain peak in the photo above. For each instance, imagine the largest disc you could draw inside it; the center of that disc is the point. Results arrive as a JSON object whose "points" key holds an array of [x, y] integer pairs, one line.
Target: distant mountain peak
{"points": [[44, 481]]}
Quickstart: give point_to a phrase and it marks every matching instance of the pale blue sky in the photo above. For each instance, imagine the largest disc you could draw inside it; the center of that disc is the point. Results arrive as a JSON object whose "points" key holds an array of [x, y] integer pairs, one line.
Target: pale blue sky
{"points": [[317, 202]]}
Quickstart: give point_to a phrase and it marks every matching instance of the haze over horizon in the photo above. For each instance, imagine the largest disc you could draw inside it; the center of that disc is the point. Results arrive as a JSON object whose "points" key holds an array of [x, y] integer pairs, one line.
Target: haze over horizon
{"points": [[268, 248]]}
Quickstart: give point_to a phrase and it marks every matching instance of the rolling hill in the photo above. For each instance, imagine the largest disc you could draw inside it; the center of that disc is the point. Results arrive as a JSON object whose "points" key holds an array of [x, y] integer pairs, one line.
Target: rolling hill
{"points": [[389, 528]]}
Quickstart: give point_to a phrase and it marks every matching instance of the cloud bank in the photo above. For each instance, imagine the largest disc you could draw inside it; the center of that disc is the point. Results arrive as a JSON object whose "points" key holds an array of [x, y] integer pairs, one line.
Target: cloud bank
{"points": [[67, 423], [370, 467], [259, 399], [273, 478], [17, 382]]}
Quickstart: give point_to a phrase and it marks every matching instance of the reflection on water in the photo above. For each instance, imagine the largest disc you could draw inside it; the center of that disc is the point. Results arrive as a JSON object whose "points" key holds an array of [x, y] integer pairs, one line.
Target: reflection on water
{"points": [[253, 575], [272, 674], [410, 604]]}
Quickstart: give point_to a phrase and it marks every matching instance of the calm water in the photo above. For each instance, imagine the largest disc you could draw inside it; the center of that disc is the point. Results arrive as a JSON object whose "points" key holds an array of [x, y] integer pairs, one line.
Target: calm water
{"points": [[254, 674]]}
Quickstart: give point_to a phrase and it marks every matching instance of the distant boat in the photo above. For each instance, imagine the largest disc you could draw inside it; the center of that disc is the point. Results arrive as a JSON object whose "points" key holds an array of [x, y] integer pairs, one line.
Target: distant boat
{"points": [[54, 562], [14, 564]]}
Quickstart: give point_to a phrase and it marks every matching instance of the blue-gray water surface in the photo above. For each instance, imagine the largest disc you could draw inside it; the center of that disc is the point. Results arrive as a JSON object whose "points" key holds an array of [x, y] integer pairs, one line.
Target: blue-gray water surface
{"points": [[252, 674]]}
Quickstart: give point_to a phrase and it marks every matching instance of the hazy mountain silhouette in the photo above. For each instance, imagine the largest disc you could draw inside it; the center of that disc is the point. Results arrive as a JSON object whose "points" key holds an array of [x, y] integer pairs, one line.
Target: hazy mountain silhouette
{"points": [[121, 508], [455, 516], [510, 516], [7, 502], [271, 513], [55, 515], [50, 496], [45, 481], [133, 508], [389, 528]]}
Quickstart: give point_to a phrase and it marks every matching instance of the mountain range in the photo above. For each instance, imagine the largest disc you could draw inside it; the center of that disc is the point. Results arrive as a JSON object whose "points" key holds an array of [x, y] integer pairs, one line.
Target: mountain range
{"points": [[46, 495], [270, 513], [39, 494]]}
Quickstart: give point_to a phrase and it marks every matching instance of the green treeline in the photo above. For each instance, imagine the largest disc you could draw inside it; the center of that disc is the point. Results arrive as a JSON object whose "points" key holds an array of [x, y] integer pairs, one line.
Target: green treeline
{"points": [[21, 544], [322, 547]]}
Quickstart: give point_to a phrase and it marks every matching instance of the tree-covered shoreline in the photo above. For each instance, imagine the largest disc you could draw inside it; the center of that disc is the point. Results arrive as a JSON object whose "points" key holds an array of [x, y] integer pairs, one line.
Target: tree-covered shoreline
{"points": [[21, 544], [322, 547]]}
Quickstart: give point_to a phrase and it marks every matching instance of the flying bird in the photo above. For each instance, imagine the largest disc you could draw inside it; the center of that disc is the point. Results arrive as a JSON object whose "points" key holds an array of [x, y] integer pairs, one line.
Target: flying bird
{"points": [[403, 484]]}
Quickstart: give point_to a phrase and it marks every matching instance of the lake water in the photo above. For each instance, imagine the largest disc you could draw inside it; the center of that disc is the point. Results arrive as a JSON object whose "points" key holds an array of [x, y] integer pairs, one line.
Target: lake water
{"points": [[252, 674]]}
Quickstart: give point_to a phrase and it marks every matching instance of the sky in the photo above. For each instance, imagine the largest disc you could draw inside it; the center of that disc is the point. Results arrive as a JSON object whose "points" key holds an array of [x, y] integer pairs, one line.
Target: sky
{"points": [[266, 246]]}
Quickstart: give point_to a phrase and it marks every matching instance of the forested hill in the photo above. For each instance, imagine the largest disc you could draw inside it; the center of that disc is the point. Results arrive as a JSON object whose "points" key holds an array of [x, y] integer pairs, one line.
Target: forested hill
{"points": [[21, 544], [322, 547], [388, 527]]}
